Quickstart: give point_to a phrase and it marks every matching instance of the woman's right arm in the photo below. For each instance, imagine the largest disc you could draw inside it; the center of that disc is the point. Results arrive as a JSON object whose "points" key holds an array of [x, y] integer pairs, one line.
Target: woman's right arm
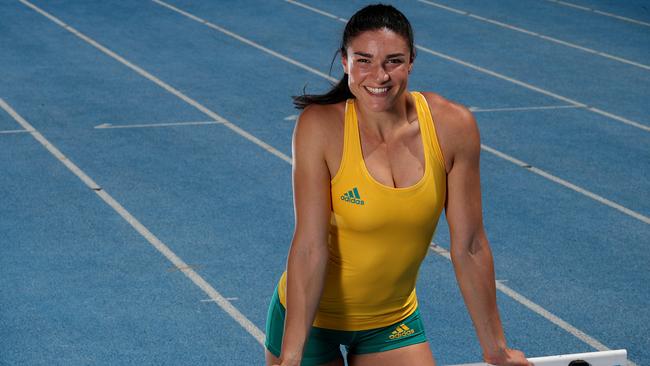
{"points": [[307, 261]]}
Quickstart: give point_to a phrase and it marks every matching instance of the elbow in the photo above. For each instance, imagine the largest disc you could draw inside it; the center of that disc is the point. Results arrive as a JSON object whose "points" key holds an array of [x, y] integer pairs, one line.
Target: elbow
{"points": [[470, 247], [310, 251]]}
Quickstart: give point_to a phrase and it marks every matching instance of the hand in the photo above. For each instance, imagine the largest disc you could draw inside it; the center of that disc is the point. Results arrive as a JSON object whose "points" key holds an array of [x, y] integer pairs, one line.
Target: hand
{"points": [[510, 357], [288, 362]]}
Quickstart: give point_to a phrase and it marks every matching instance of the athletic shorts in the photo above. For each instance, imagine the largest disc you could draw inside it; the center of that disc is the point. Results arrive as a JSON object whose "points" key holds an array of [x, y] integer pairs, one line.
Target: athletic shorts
{"points": [[323, 345]]}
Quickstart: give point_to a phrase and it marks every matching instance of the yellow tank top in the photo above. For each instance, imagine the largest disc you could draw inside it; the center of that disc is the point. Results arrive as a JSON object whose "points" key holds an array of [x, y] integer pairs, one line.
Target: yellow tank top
{"points": [[379, 235]]}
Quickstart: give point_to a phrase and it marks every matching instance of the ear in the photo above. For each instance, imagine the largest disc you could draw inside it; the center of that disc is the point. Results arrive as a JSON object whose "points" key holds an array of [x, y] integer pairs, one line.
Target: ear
{"points": [[344, 62]]}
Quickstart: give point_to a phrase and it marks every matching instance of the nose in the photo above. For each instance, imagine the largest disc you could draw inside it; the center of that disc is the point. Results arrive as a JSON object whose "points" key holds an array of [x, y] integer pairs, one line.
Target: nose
{"points": [[381, 76]]}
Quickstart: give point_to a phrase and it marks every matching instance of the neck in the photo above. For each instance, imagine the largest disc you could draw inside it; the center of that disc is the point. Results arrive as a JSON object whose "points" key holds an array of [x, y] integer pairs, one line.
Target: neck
{"points": [[384, 123]]}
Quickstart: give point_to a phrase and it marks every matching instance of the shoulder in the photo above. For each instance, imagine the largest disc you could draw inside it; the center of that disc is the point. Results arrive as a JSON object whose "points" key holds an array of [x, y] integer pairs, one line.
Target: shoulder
{"points": [[317, 117], [455, 124], [452, 115], [319, 125]]}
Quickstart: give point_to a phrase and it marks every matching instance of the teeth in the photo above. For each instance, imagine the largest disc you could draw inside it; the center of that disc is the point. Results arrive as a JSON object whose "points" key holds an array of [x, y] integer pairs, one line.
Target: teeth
{"points": [[377, 90]]}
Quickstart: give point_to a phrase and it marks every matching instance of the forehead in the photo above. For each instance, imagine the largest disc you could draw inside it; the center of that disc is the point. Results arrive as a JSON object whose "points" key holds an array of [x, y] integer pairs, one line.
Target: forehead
{"points": [[377, 42]]}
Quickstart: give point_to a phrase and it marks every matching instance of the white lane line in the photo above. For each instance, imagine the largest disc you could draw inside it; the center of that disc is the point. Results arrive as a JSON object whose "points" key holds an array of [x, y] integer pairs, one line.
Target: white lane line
{"points": [[516, 109], [567, 184], [535, 34], [151, 238], [514, 81], [244, 40], [534, 88], [619, 17], [321, 12], [536, 308], [150, 125], [540, 172], [9, 132], [227, 298], [204, 285], [161, 83], [189, 266]]}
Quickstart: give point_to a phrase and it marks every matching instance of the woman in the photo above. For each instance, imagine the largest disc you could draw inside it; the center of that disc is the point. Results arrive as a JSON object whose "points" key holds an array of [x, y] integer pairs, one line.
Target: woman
{"points": [[372, 172]]}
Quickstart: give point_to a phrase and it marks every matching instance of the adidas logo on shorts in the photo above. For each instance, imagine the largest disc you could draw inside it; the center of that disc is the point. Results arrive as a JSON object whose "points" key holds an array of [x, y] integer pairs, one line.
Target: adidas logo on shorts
{"points": [[401, 331]]}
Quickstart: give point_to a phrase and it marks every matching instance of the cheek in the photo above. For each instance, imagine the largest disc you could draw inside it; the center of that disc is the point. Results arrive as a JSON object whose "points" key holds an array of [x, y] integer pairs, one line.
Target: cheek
{"points": [[356, 75], [359, 70], [399, 71]]}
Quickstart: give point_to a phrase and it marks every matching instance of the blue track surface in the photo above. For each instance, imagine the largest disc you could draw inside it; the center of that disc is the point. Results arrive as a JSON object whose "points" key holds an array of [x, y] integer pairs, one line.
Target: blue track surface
{"points": [[80, 286]]}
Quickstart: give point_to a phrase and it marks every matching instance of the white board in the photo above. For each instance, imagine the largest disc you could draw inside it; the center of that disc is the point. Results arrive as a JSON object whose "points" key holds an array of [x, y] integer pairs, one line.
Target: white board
{"points": [[604, 358]]}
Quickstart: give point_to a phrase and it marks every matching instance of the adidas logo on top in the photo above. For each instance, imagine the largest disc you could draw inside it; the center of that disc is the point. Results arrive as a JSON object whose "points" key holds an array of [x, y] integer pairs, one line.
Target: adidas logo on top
{"points": [[353, 197], [401, 331]]}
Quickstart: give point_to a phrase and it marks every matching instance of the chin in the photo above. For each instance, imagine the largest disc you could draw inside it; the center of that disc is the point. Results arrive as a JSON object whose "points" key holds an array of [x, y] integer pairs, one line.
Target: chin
{"points": [[378, 104]]}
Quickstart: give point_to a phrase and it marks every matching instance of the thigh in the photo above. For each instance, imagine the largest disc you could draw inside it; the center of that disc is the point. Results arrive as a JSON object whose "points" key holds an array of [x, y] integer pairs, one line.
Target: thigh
{"points": [[272, 360], [416, 354], [404, 342], [322, 347]]}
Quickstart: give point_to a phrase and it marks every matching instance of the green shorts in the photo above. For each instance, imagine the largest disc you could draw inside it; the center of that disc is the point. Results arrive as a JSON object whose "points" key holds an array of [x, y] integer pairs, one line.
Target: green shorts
{"points": [[323, 345]]}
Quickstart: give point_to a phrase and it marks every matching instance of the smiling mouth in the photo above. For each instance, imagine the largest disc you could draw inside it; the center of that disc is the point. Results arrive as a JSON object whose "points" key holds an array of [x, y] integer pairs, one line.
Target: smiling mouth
{"points": [[377, 91]]}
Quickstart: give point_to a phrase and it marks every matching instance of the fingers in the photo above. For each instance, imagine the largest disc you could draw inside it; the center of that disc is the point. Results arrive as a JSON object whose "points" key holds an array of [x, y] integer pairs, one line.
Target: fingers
{"points": [[519, 359]]}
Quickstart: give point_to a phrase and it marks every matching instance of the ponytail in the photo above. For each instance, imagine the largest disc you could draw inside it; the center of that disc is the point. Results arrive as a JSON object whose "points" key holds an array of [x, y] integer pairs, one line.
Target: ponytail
{"points": [[338, 93]]}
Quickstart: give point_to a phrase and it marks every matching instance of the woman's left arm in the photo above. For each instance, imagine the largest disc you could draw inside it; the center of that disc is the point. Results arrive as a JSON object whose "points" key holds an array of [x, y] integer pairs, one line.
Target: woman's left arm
{"points": [[470, 250]]}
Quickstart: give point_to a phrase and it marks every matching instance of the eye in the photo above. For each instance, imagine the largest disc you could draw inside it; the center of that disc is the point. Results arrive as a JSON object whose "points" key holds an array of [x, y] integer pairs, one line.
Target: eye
{"points": [[363, 61], [395, 61]]}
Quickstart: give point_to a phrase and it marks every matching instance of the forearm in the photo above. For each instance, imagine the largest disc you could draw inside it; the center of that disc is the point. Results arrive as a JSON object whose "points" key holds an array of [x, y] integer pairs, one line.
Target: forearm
{"points": [[475, 274], [305, 279]]}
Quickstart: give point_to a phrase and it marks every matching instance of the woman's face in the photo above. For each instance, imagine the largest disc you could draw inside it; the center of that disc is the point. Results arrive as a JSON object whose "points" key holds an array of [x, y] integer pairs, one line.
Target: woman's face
{"points": [[378, 64]]}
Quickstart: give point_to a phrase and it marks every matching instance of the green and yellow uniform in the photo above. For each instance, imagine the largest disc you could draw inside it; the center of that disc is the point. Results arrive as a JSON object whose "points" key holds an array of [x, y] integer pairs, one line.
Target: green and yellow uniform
{"points": [[378, 235]]}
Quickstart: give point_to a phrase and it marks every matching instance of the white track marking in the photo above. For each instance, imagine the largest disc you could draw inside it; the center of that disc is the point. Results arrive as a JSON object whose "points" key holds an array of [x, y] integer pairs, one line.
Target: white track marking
{"points": [[514, 109], [161, 83], [569, 185], [151, 238], [227, 298], [536, 308], [511, 80], [321, 12], [150, 125], [540, 172], [535, 34], [534, 88], [619, 17], [8, 132], [199, 281], [245, 40]]}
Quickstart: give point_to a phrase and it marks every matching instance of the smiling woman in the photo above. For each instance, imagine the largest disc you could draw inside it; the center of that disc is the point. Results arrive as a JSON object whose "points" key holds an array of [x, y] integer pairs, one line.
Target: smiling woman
{"points": [[370, 18], [372, 172]]}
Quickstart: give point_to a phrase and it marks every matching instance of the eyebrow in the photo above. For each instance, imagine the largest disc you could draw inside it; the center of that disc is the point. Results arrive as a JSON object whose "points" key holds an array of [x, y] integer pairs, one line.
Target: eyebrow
{"points": [[363, 54]]}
